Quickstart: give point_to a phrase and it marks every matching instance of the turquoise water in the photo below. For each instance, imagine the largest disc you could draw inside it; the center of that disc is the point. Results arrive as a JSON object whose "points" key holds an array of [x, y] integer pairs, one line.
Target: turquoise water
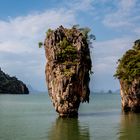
{"points": [[32, 117]]}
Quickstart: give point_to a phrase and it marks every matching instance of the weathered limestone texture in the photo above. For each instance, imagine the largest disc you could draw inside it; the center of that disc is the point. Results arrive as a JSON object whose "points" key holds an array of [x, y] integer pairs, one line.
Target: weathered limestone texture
{"points": [[130, 96], [67, 69], [128, 73]]}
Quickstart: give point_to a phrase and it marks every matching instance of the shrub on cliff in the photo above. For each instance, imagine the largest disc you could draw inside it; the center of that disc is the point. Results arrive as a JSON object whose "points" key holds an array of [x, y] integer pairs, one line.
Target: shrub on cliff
{"points": [[129, 65]]}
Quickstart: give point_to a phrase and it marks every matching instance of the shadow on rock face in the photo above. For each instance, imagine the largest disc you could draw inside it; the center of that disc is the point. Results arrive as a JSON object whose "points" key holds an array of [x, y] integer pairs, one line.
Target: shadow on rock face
{"points": [[68, 129]]}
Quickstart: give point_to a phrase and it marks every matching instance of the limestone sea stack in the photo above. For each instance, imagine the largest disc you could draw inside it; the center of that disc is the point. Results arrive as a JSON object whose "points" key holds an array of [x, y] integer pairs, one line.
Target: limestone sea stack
{"points": [[68, 68], [128, 73], [11, 85]]}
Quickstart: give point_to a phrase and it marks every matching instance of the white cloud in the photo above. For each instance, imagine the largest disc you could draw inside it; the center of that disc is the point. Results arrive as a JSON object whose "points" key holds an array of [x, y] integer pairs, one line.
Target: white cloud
{"points": [[80, 5], [20, 33], [19, 37], [106, 54], [124, 16], [127, 5]]}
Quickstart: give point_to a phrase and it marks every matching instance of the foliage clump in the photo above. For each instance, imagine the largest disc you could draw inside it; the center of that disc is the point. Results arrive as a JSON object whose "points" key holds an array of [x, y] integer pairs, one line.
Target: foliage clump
{"points": [[40, 44], [49, 31], [129, 65], [67, 51]]}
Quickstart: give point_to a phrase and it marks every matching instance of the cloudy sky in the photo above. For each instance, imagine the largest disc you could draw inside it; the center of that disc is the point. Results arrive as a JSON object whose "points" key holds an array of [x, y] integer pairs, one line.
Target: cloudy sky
{"points": [[115, 23]]}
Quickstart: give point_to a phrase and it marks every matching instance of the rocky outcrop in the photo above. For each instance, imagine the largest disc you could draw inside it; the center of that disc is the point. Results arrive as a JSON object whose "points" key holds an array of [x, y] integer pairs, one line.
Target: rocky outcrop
{"points": [[128, 73], [67, 69], [11, 85], [130, 95]]}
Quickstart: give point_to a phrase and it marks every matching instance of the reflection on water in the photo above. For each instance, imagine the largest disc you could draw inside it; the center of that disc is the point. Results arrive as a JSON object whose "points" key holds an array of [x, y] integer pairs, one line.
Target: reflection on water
{"points": [[68, 129], [130, 127]]}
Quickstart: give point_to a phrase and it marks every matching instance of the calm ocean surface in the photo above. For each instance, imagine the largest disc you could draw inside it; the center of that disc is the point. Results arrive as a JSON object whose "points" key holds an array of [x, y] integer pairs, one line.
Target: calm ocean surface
{"points": [[32, 117]]}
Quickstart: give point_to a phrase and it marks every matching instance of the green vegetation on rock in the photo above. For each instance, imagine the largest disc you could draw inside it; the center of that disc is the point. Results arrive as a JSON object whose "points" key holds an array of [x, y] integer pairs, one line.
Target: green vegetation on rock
{"points": [[40, 44], [129, 65], [67, 51], [49, 32]]}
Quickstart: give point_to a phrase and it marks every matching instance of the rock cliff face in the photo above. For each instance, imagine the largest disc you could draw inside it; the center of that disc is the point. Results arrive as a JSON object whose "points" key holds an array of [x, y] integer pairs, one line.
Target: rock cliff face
{"points": [[128, 73], [11, 85], [130, 95], [67, 69]]}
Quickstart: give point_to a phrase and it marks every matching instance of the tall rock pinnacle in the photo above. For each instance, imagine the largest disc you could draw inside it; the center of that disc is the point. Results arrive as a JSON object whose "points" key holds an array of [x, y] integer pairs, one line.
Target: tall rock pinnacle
{"points": [[128, 73], [68, 68]]}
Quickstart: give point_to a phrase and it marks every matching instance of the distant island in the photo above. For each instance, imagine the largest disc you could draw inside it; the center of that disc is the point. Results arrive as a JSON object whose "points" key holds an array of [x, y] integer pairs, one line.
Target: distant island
{"points": [[11, 85]]}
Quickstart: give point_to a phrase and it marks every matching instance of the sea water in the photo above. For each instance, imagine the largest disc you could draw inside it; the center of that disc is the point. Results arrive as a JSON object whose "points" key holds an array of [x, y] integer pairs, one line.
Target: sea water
{"points": [[32, 117]]}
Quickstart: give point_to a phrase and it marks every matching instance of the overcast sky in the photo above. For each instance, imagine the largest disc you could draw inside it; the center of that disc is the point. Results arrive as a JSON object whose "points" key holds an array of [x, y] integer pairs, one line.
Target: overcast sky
{"points": [[115, 23]]}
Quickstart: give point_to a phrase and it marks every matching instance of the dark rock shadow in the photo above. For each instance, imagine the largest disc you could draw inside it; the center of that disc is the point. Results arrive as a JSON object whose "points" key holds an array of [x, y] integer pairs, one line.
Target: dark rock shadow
{"points": [[68, 129]]}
